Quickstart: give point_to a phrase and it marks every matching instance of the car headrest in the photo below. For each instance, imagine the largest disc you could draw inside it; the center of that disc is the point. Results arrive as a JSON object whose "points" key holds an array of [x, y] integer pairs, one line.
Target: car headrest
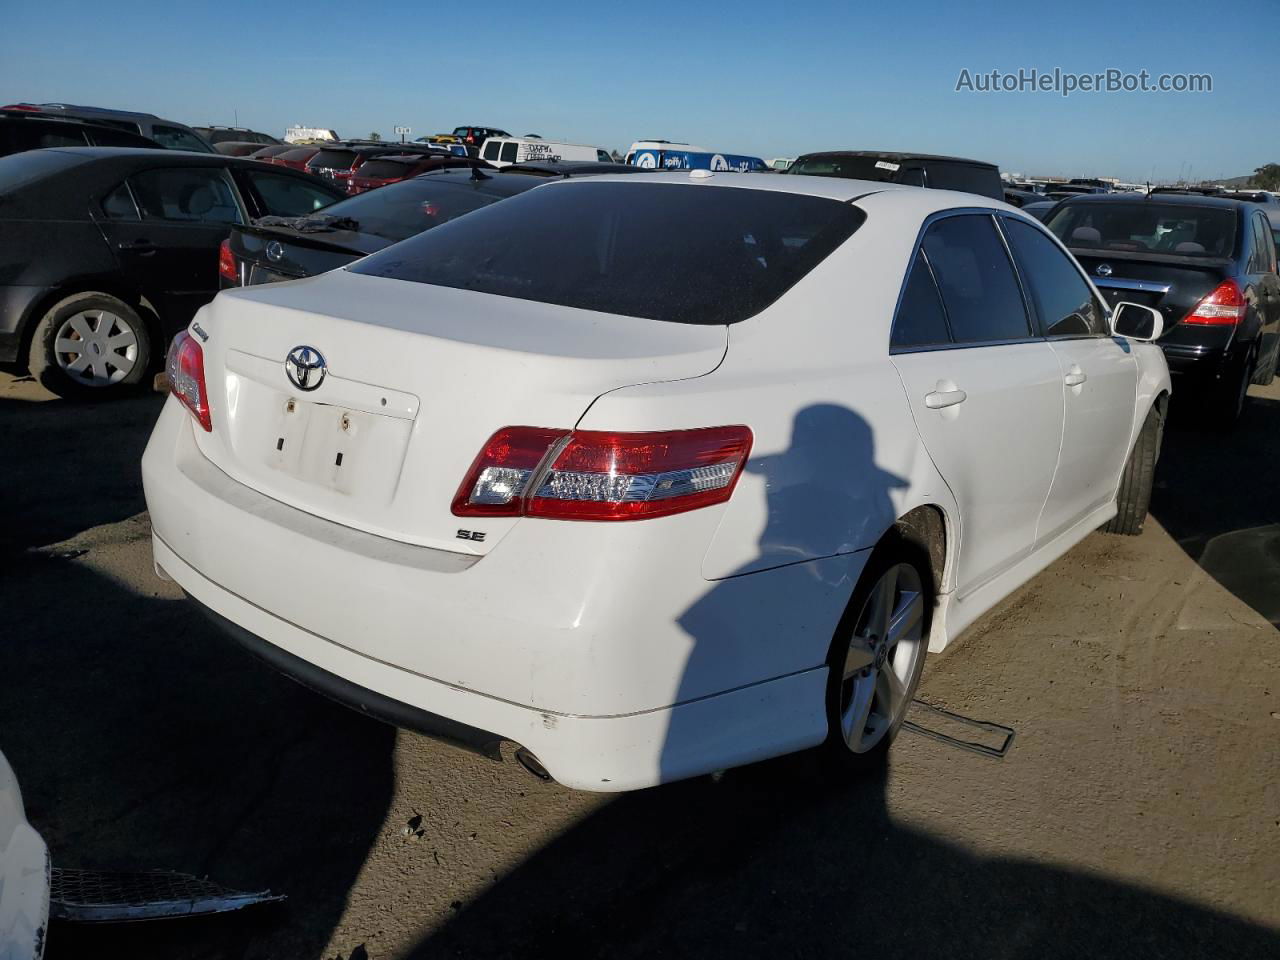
{"points": [[1189, 246], [197, 201], [1086, 235]]}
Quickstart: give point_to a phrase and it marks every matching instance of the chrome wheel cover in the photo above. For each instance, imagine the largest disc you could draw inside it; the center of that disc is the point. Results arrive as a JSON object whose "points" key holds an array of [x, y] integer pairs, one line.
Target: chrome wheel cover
{"points": [[884, 652], [96, 348]]}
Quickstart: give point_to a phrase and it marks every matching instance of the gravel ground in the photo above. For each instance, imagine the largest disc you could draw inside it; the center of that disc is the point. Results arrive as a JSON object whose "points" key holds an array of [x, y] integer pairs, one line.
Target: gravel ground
{"points": [[1138, 814]]}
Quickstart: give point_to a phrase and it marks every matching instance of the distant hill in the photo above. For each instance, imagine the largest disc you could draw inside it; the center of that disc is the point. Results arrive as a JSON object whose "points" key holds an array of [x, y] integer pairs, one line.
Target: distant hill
{"points": [[1236, 181]]}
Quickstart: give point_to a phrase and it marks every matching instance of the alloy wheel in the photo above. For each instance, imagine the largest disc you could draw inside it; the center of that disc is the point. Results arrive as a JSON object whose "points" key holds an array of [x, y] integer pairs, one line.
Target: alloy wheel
{"points": [[96, 348], [883, 655]]}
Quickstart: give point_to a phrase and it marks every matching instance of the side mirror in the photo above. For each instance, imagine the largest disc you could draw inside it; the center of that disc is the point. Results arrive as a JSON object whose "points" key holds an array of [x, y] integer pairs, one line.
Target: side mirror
{"points": [[1133, 321]]}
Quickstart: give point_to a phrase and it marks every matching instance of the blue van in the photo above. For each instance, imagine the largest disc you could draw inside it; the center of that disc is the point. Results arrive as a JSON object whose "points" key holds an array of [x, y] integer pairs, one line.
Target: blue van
{"points": [[661, 155]]}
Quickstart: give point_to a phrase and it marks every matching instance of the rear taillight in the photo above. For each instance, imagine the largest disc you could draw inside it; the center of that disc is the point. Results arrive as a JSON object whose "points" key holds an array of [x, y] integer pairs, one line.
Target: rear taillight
{"points": [[227, 262], [185, 372], [1224, 306], [597, 475]]}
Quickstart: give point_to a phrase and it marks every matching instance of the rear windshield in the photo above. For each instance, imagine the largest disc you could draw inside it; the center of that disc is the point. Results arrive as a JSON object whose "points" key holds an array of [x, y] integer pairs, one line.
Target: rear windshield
{"points": [[401, 210], [385, 168], [851, 168], [677, 252], [334, 159], [1144, 226]]}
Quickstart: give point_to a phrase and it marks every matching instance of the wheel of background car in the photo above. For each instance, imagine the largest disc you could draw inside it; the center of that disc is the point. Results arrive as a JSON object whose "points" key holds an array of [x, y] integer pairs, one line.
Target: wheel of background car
{"points": [[878, 654], [1233, 390], [90, 345]]}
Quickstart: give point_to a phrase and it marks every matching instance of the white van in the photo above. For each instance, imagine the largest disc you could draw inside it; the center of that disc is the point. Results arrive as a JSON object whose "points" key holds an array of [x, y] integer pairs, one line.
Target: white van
{"points": [[504, 151]]}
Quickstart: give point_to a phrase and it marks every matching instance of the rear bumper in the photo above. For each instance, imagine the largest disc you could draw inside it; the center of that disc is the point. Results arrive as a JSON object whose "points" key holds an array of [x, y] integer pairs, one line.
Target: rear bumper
{"points": [[1196, 361], [617, 668]]}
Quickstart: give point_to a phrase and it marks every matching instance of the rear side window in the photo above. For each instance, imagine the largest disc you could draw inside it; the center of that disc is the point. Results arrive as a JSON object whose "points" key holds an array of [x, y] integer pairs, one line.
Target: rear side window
{"points": [[173, 138], [185, 195], [921, 321], [491, 150], [383, 169], [288, 196], [978, 285], [966, 178], [24, 135], [676, 252], [1064, 302], [119, 205], [1265, 254], [509, 150]]}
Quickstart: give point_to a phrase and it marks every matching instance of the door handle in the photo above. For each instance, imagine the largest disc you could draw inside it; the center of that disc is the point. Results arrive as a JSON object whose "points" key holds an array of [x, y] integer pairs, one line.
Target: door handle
{"points": [[1074, 377], [941, 399], [144, 247]]}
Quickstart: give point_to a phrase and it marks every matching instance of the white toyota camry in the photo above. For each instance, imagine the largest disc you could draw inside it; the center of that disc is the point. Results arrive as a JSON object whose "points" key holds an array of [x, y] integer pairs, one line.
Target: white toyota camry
{"points": [[652, 475]]}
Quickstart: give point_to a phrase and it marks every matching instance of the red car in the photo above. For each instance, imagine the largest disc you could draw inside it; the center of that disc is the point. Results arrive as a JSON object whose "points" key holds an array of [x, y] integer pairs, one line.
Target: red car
{"points": [[295, 159], [266, 153], [337, 162], [392, 168]]}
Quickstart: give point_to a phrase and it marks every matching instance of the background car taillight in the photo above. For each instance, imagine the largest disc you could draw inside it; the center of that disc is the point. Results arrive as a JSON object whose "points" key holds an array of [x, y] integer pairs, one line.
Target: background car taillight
{"points": [[1225, 305], [598, 475], [227, 262], [185, 372]]}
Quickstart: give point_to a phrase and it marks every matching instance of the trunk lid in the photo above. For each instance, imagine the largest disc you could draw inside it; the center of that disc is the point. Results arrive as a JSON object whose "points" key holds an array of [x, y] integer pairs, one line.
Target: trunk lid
{"points": [[417, 378], [1171, 284]]}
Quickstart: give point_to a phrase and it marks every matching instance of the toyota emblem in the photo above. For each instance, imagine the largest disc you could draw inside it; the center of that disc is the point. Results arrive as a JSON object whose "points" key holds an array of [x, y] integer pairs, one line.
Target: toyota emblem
{"points": [[1104, 270], [305, 367], [275, 252]]}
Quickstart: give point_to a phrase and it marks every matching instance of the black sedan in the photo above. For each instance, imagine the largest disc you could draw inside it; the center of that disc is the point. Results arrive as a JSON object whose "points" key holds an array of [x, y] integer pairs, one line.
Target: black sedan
{"points": [[106, 253], [1207, 264], [279, 248]]}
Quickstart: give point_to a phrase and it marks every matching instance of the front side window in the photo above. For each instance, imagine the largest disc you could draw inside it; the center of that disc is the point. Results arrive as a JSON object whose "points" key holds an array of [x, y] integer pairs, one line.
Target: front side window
{"points": [[185, 195], [675, 252], [509, 150], [173, 138], [978, 285], [1063, 300], [1265, 253], [288, 196]]}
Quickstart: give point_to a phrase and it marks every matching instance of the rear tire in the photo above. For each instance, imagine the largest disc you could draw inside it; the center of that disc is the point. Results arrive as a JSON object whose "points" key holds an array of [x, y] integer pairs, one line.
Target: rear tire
{"points": [[877, 656], [1134, 496], [1263, 376], [90, 346]]}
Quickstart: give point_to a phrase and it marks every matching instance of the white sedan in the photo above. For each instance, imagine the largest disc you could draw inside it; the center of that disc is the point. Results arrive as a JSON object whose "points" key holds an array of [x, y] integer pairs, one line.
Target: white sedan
{"points": [[652, 475]]}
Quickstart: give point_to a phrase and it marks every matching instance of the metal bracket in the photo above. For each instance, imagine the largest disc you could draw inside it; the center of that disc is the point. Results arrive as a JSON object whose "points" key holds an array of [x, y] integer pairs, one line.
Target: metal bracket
{"points": [[996, 753]]}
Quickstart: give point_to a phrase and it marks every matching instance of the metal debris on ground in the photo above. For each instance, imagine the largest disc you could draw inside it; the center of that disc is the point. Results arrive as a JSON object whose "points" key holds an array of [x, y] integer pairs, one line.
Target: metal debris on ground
{"points": [[105, 896], [997, 752]]}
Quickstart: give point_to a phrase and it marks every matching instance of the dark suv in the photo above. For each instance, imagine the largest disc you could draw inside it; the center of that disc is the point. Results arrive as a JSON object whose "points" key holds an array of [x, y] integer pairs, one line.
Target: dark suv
{"points": [[168, 133], [22, 130], [1208, 264], [107, 252], [915, 169]]}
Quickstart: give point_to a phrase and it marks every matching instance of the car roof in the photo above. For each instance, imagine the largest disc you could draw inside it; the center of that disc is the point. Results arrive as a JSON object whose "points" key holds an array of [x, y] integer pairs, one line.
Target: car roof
{"points": [[831, 188], [1181, 199], [894, 155], [104, 111]]}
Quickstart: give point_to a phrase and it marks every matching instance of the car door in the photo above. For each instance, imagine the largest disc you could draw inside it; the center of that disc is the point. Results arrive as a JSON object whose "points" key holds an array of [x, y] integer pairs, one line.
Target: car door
{"points": [[1268, 286], [1099, 377], [165, 224], [986, 393]]}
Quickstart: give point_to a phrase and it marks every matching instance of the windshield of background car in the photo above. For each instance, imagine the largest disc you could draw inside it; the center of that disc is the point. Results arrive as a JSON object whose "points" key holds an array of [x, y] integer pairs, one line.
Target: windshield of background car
{"points": [[673, 252], [384, 169], [1144, 226], [404, 209], [851, 168], [334, 159]]}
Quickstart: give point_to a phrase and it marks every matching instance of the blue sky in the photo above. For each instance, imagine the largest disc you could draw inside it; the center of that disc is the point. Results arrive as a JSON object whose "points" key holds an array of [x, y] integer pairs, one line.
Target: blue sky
{"points": [[765, 78]]}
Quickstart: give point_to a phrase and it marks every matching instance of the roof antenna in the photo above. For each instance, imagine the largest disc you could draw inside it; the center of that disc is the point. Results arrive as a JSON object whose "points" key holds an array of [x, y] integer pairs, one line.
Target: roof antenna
{"points": [[478, 174]]}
